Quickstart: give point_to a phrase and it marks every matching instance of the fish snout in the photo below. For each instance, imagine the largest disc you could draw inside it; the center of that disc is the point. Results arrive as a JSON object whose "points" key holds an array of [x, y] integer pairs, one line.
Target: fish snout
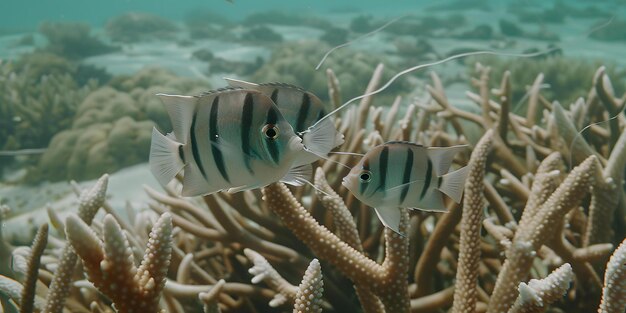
{"points": [[345, 182]]}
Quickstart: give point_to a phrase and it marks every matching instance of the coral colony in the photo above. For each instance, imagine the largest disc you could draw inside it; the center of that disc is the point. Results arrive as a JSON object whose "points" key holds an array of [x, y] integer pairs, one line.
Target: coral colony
{"points": [[532, 230], [540, 226]]}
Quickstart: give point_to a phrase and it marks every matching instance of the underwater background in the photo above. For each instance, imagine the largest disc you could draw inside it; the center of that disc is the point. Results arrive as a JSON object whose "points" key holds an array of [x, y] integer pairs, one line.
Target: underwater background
{"points": [[78, 81]]}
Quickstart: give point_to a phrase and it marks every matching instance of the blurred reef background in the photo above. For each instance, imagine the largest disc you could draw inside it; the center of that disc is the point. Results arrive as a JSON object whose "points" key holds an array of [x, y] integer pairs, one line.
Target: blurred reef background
{"points": [[544, 210]]}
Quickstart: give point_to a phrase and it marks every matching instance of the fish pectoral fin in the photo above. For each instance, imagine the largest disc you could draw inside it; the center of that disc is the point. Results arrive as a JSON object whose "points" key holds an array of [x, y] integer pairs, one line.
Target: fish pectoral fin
{"points": [[390, 217], [181, 110], [442, 157], [322, 138], [298, 175], [241, 83]]}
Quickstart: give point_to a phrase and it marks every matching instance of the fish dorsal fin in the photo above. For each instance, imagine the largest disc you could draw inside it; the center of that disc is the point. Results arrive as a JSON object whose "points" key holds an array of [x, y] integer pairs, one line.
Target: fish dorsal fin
{"points": [[217, 91], [442, 157], [180, 109], [298, 175], [322, 138], [232, 82], [286, 86], [390, 217]]}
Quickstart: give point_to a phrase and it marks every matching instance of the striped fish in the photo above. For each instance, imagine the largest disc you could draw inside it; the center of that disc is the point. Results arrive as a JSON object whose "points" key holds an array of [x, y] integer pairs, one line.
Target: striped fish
{"points": [[401, 174], [229, 139], [301, 109]]}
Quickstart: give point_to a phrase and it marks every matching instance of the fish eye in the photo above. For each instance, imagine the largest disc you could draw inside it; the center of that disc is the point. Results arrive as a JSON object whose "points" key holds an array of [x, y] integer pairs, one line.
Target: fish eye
{"points": [[270, 131], [365, 176]]}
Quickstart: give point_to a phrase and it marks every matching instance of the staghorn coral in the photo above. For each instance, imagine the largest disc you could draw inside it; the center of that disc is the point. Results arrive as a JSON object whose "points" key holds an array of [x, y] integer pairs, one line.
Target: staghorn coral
{"points": [[537, 294], [89, 203], [564, 75], [309, 296], [469, 252], [34, 260], [614, 291], [109, 264], [535, 215]]}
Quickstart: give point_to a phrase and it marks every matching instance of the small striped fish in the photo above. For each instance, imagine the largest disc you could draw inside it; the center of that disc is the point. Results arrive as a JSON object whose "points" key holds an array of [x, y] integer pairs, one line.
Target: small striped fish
{"points": [[406, 175], [229, 139], [301, 109]]}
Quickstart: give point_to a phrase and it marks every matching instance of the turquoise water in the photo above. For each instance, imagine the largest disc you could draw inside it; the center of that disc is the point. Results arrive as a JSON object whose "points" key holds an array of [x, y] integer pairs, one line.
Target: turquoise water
{"points": [[78, 86], [130, 50]]}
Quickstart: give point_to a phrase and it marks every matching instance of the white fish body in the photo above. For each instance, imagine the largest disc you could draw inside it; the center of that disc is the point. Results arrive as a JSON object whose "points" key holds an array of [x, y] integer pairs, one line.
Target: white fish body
{"points": [[406, 175], [301, 109], [228, 139]]}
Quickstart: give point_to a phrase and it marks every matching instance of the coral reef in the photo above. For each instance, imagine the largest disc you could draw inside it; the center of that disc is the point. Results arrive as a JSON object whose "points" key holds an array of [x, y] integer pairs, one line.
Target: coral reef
{"points": [[38, 97], [285, 18], [560, 75], [73, 40], [135, 26], [261, 34], [614, 31], [294, 63], [111, 127], [524, 237], [206, 23], [335, 36]]}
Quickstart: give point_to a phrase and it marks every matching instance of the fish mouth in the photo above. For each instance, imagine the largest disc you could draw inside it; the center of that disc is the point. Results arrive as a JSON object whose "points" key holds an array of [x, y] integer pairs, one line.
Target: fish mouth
{"points": [[344, 181]]}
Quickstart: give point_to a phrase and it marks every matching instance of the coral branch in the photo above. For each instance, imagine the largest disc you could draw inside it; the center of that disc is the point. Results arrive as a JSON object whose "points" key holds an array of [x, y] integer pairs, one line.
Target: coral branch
{"points": [[539, 229], [110, 264], [309, 296], [614, 291], [30, 282], [384, 279], [535, 296], [89, 202], [263, 271], [465, 294]]}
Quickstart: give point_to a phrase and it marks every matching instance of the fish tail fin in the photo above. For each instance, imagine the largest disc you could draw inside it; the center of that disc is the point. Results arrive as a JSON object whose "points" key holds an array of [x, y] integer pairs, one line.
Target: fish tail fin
{"points": [[322, 138], [165, 157], [453, 183]]}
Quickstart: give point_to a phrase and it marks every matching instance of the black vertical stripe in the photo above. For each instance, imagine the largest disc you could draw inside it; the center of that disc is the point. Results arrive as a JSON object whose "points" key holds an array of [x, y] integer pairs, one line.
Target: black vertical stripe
{"points": [[274, 96], [181, 154], [214, 137], [383, 163], [194, 145], [272, 116], [246, 127], [272, 145], [365, 167], [408, 168], [303, 112], [429, 174], [320, 114]]}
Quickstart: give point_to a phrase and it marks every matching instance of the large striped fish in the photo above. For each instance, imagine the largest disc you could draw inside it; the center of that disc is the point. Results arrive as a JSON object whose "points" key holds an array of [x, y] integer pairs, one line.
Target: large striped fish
{"points": [[401, 174], [229, 139], [301, 109]]}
